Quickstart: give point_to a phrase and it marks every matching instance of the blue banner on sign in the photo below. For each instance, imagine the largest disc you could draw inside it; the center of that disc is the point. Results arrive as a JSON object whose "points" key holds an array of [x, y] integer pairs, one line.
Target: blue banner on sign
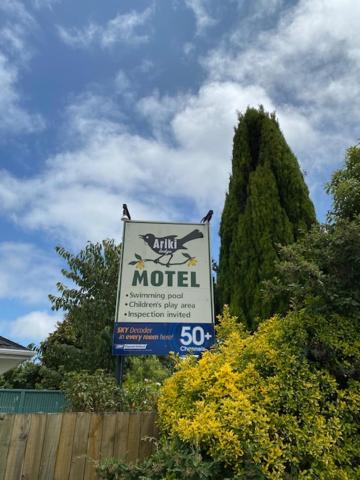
{"points": [[162, 338]]}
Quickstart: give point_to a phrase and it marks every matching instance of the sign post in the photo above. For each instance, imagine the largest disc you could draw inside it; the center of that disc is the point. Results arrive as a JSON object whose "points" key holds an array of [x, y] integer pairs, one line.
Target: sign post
{"points": [[165, 295]]}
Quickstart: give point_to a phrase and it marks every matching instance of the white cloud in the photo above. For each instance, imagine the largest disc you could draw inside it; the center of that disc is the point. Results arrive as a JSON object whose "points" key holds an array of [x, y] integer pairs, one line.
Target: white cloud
{"points": [[309, 66], [45, 3], [311, 57], [189, 48], [27, 273], [79, 194], [122, 81], [13, 117], [146, 66], [159, 112], [91, 114], [8, 192], [202, 16], [124, 88], [122, 28], [34, 326], [260, 8], [16, 11], [15, 25]]}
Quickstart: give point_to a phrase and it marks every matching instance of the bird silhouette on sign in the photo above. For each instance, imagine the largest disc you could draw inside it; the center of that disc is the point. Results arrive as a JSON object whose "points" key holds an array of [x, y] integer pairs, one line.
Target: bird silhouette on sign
{"points": [[170, 244], [207, 217]]}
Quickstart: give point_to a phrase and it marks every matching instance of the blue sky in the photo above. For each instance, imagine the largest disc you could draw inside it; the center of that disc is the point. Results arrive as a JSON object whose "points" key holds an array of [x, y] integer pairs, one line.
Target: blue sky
{"points": [[103, 103]]}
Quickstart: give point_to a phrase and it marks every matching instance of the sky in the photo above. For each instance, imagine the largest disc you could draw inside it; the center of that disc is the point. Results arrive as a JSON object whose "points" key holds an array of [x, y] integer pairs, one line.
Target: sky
{"points": [[104, 103]]}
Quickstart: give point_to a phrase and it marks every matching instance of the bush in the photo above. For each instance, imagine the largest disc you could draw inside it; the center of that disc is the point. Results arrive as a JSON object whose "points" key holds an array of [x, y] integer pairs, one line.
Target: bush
{"points": [[258, 406], [99, 392], [142, 382], [92, 392], [140, 396], [172, 460]]}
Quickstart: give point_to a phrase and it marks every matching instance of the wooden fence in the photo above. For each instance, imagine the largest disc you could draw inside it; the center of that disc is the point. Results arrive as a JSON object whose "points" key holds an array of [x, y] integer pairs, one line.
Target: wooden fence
{"points": [[67, 446]]}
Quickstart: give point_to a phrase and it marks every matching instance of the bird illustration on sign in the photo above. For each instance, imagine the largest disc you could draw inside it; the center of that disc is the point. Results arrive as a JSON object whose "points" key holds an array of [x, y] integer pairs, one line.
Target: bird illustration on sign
{"points": [[167, 247]]}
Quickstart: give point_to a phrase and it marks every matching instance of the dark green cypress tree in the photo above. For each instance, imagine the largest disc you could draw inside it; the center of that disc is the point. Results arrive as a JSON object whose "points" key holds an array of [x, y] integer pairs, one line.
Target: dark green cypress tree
{"points": [[267, 204]]}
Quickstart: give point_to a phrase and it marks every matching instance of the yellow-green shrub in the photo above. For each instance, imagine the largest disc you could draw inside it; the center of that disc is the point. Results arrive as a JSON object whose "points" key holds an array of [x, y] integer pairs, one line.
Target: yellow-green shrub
{"points": [[257, 404]]}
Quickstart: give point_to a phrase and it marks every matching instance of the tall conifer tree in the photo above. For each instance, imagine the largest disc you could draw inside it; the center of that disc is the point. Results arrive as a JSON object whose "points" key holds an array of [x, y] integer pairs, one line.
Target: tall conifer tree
{"points": [[267, 204]]}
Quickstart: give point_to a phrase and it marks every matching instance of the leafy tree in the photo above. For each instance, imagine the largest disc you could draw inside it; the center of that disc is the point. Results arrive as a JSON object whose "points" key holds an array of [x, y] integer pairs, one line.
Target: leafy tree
{"points": [[83, 339], [31, 374], [345, 188], [321, 271], [267, 204], [26, 375], [321, 275]]}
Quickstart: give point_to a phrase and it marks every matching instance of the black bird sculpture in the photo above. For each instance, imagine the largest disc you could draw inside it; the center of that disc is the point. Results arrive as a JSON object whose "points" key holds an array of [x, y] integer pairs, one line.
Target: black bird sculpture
{"points": [[126, 213], [207, 217], [170, 244]]}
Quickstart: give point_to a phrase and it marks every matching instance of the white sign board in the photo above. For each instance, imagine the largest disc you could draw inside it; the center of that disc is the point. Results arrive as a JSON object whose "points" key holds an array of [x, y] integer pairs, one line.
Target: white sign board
{"points": [[165, 299]]}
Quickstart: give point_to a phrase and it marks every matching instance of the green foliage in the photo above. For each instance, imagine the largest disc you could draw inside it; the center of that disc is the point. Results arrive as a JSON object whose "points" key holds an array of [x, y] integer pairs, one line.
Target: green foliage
{"points": [[92, 392], [140, 396], [321, 270], [30, 375], [267, 204], [143, 379], [345, 188], [139, 369], [62, 349], [172, 460], [98, 391], [83, 339], [321, 274], [261, 408]]}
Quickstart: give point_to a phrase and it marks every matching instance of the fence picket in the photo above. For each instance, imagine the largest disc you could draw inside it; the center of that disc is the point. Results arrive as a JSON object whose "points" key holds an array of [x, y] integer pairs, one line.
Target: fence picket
{"points": [[122, 434], [94, 446], [108, 436], [6, 427], [134, 437], [147, 433], [80, 446], [64, 452], [17, 447], [51, 442], [34, 446]]}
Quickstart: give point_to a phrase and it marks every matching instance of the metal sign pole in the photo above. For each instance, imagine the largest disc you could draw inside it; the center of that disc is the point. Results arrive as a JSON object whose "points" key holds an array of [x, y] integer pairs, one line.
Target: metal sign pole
{"points": [[119, 370], [119, 360]]}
